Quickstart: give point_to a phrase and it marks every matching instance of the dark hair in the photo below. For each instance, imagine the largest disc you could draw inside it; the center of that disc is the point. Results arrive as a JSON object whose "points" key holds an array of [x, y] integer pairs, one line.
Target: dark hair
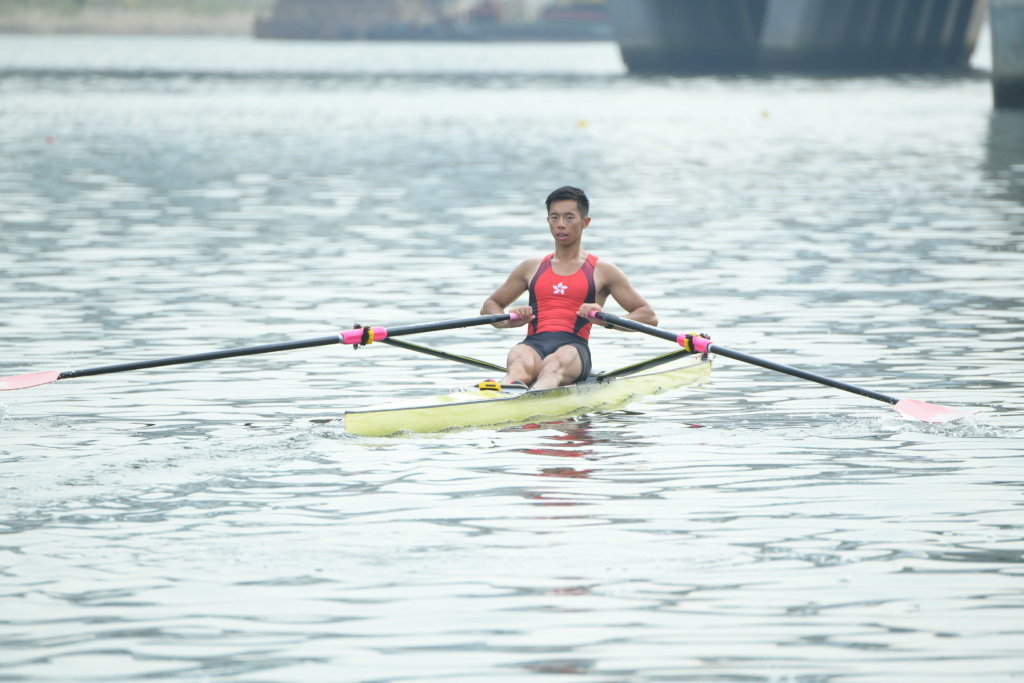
{"points": [[569, 192]]}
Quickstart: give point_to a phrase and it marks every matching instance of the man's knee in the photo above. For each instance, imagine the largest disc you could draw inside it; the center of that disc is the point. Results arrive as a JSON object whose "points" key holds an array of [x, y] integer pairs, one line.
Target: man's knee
{"points": [[523, 355], [524, 363]]}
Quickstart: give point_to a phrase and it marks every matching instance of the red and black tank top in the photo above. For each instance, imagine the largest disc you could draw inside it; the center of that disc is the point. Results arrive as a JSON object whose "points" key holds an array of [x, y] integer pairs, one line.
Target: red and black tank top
{"points": [[555, 299]]}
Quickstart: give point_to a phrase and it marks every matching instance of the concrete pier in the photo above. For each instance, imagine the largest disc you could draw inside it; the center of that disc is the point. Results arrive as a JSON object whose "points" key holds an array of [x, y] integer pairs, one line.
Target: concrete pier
{"points": [[870, 35], [1008, 53], [688, 36], [810, 36]]}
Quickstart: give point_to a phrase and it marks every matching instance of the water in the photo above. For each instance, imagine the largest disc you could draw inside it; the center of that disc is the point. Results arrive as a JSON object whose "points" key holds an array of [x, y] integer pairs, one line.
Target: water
{"points": [[168, 196]]}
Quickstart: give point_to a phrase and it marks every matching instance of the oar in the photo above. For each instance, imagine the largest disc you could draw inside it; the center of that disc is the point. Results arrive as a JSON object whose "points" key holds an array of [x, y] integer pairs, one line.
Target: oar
{"points": [[357, 336], [918, 410]]}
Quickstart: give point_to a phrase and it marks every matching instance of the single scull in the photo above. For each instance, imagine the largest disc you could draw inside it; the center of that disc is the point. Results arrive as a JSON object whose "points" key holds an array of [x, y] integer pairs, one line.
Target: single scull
{"points": [[492, 408]]}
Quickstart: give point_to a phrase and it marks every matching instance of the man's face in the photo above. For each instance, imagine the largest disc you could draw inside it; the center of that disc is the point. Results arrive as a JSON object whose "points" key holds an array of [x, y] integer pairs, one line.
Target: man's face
{"points": [[566, 222]]}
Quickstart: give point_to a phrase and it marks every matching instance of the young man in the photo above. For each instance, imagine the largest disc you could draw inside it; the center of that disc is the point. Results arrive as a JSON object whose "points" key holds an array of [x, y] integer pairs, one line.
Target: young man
{"points": [[564, 287]]}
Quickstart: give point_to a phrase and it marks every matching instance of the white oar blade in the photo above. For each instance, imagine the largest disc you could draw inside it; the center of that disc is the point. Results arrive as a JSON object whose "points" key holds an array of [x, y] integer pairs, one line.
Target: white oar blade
{"points": [[930, 412], [31, 380]]}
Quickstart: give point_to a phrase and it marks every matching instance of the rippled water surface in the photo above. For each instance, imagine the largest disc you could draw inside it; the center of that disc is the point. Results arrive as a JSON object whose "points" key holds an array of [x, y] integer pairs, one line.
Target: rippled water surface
{"points": [[170, 196]]}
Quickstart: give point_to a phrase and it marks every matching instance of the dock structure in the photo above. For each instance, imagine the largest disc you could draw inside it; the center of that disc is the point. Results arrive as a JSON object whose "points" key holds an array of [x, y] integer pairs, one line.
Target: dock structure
{"points": [[455, 20], [1008, 53], [871, 35], [347, 19], [688, 36], [808, 36], [702, 37]]}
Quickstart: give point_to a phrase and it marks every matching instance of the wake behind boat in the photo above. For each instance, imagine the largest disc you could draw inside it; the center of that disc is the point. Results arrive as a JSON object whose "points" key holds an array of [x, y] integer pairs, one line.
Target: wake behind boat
{"points": [[490, 408]]}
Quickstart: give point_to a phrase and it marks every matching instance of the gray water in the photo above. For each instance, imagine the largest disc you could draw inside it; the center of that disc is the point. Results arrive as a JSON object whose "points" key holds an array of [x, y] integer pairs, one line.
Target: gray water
{"points": [[199, 522]]}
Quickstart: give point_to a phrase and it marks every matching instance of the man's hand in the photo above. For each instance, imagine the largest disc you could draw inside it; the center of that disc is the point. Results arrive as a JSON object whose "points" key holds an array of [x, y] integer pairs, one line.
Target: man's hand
{"points": [[586, 310], [524, 314]]}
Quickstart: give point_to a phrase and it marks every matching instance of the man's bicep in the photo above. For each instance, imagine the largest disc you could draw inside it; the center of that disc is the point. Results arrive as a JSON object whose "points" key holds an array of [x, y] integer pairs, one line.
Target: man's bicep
{"points": [[626, 296], [509, 291], [622, 290]]}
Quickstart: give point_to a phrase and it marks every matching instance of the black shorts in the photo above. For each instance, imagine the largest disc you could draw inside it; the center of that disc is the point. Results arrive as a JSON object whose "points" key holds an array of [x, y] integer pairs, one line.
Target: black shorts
{"points": [[546, 343]]}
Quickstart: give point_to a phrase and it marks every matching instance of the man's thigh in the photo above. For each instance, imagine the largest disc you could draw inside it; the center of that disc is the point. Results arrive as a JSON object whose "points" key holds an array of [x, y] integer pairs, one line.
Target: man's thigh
{"points": [[567, 362]]}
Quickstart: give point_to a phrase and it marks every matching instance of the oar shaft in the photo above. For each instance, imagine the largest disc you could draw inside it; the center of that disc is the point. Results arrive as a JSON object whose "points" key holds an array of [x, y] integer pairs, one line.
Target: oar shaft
{"points": [[354, 336], [802, 374], [638, 327], [703, 345], [450, 324], [199, 357]]}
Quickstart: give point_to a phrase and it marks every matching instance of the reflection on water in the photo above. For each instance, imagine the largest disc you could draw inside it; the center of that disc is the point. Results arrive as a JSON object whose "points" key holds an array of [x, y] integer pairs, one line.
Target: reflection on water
{"points": [[177, 195], [1005, 152], [570, 439]]}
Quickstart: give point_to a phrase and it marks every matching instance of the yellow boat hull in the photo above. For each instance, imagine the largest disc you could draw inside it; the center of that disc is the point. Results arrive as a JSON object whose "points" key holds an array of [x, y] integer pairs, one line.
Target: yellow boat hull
{"points": [[476, 408]]}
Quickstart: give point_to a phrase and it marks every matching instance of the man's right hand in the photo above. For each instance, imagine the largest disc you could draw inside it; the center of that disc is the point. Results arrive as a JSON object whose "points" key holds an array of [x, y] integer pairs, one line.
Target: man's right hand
{"points": [[524, 314]]}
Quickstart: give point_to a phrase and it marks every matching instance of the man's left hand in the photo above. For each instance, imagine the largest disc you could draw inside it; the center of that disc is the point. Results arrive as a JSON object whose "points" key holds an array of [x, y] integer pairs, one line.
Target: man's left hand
{"points": [[586, 310]]}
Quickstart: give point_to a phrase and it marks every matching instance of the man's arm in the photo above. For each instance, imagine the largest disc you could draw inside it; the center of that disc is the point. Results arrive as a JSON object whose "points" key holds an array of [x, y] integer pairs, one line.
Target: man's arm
{"points": [[509, 291], [615, 283]]}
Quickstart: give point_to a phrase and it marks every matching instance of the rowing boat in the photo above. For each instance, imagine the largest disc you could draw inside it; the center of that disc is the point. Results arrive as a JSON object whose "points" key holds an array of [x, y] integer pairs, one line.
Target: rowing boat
{"points": [[476, 407]]}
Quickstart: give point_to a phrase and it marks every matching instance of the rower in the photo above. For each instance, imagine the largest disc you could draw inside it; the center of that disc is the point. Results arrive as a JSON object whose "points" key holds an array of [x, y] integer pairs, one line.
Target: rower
{"points": [[564, 287]]}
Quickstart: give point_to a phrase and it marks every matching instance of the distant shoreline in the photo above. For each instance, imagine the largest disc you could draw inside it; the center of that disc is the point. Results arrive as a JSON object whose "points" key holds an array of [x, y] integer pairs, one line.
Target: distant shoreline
{"points": [[114, 21]]}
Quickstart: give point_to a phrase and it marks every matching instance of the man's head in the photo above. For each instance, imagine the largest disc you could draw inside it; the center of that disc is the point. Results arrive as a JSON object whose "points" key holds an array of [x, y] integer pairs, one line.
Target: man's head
{"points": [[570, 193]]}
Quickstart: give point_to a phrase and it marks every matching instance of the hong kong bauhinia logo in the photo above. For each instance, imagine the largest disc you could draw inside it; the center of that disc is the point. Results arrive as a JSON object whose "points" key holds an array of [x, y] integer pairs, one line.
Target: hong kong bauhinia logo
{"points": [[560, 288]]}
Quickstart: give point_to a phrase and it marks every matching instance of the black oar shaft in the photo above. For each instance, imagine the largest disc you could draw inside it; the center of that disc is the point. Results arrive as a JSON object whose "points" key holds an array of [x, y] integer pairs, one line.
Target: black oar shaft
{"points": [[447, 324], [802, 374], [747, 358], [639, 327], [199, 357], [280, 346]]}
